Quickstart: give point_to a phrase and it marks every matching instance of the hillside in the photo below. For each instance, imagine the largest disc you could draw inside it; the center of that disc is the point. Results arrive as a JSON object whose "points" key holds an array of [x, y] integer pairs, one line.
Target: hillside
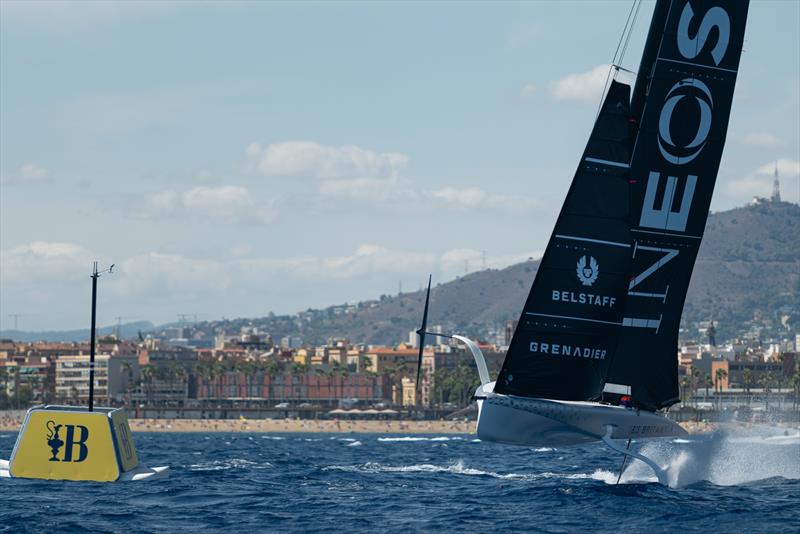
{"points": [[749, 263], [126, 330]]}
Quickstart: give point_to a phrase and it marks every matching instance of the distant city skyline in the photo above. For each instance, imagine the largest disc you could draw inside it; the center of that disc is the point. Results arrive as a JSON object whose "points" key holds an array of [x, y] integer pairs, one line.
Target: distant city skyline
{"points": [[236, 159]]}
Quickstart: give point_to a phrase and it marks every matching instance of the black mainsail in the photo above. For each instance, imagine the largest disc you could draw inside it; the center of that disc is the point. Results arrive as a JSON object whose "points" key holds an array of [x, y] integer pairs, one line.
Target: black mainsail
{"points": [[605, 306]]}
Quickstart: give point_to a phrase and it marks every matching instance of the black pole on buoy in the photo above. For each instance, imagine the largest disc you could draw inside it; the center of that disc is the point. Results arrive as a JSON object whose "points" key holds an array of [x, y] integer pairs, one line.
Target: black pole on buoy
{"points": [[95, 275]]}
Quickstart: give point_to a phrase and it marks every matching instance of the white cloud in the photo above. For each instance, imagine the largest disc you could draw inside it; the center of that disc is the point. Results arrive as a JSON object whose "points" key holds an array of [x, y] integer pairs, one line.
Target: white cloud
{"points": [[157, 276], [472, 197], [583, 87], [468, 197], [456, 260], [28, 173], [171, 277], [49, 277], [172, 274], [372, 189], [162, 203], [787, 168], [748, 187], [44, 261], [759, 182], [528, 91], [228, 204], [762, 140], [309, 159]]}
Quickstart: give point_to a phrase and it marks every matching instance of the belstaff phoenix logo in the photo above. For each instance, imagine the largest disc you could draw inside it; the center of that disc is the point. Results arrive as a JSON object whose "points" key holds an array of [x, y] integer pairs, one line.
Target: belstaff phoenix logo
{"points": [[587, 275]]}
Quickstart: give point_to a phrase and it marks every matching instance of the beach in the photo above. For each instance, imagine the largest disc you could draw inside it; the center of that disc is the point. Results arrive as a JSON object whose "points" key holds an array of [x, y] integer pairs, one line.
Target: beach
{"points": [[13, 423], [284, 425]]}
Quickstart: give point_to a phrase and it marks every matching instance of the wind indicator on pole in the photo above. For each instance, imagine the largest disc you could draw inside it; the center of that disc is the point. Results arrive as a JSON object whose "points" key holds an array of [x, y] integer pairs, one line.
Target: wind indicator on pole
{"points": [[95, 275], [421, 333], [54, 442]]}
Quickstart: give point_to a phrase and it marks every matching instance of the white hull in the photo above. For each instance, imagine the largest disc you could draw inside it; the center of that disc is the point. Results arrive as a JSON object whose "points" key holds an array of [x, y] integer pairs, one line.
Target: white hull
{"points": [[544, 422], [139, 473]]}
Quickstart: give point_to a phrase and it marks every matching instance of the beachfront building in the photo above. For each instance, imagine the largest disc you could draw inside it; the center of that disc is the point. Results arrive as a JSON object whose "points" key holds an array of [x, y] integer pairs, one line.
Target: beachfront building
{"points": [[408, 393], [455, 366], [317, 387], [113, 378], [386, 360]]}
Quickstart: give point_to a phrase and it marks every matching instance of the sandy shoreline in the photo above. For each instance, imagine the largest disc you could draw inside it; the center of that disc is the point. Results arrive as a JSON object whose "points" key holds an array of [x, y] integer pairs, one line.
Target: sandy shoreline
{"points": [[310, 426]]}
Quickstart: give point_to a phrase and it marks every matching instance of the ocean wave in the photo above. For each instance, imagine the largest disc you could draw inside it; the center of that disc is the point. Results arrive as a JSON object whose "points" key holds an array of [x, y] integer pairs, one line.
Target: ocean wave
{"points": [[419, 438], [354, 443], [456, 468], [459, 468], [231, 463]]}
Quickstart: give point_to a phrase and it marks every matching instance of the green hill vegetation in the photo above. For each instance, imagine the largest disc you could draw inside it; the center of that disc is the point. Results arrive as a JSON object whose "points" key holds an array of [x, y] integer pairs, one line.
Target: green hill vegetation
{"points": [[748, 266]]}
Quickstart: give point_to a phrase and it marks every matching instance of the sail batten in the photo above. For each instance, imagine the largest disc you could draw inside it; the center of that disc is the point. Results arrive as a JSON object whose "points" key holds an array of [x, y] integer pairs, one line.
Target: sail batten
{"points": [[606, 302]]}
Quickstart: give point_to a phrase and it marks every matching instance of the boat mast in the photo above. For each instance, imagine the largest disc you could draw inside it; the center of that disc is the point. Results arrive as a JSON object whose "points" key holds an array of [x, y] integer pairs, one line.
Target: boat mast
{"points": [[645, 72]]}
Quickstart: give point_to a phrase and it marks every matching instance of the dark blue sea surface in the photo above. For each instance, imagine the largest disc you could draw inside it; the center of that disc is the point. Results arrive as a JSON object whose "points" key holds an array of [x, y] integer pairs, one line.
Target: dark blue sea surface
{"points": [[250, 482]]}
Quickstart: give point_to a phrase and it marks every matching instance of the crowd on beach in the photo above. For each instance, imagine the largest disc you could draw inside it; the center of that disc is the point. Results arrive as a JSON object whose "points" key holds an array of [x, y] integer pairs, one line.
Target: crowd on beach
{"points": [[300, 425], [13, 424], [10, 423]]}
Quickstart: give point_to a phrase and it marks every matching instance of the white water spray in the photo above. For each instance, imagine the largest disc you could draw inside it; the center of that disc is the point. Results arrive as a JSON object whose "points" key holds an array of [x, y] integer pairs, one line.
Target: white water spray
{"points": [[730, 456]]}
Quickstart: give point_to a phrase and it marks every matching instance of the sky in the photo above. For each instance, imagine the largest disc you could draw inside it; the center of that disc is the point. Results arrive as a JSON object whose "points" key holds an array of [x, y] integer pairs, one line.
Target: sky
{"points": [[240, 158]]}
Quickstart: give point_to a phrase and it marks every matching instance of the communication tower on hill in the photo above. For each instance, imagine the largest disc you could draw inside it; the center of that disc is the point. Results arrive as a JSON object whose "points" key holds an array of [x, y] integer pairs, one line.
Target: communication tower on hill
{"points": [[776, 186]]}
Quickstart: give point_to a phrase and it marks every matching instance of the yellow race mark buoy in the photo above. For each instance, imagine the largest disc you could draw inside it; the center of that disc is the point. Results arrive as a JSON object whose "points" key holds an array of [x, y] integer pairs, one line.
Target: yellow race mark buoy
{"points": [[72, 443]]}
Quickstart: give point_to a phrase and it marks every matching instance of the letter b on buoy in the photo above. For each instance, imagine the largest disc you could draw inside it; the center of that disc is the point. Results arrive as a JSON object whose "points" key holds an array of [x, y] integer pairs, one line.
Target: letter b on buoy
{"points": [[80, 443]]}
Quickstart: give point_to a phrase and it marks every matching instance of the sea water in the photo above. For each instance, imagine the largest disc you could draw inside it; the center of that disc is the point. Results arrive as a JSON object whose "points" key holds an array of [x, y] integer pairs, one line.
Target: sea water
{"points": [[251, 482]]}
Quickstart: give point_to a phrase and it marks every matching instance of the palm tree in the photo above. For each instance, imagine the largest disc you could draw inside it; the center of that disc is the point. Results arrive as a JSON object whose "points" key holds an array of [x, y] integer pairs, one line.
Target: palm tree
{"points": [[4, 391], [686, 383], [318, 374], [126, 392], [766, 382], [202, 372], [694, 383], [183, 378], [272, 371], [720, 375], [298, 369], [148, 374], [779, 382], [172, 373], [747, 381], [709, 383], [343, 374], [796, 387]]}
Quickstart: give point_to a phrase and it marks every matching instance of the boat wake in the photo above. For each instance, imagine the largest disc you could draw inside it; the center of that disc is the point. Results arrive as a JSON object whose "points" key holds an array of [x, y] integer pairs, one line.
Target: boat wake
{"points": [[419, 438], [459, 468], [728, 457], [232, 463]]}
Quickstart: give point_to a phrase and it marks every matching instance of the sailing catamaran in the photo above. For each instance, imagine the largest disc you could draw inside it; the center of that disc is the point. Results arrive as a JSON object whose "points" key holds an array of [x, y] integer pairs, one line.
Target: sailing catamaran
{"points": [[593, 356]]}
